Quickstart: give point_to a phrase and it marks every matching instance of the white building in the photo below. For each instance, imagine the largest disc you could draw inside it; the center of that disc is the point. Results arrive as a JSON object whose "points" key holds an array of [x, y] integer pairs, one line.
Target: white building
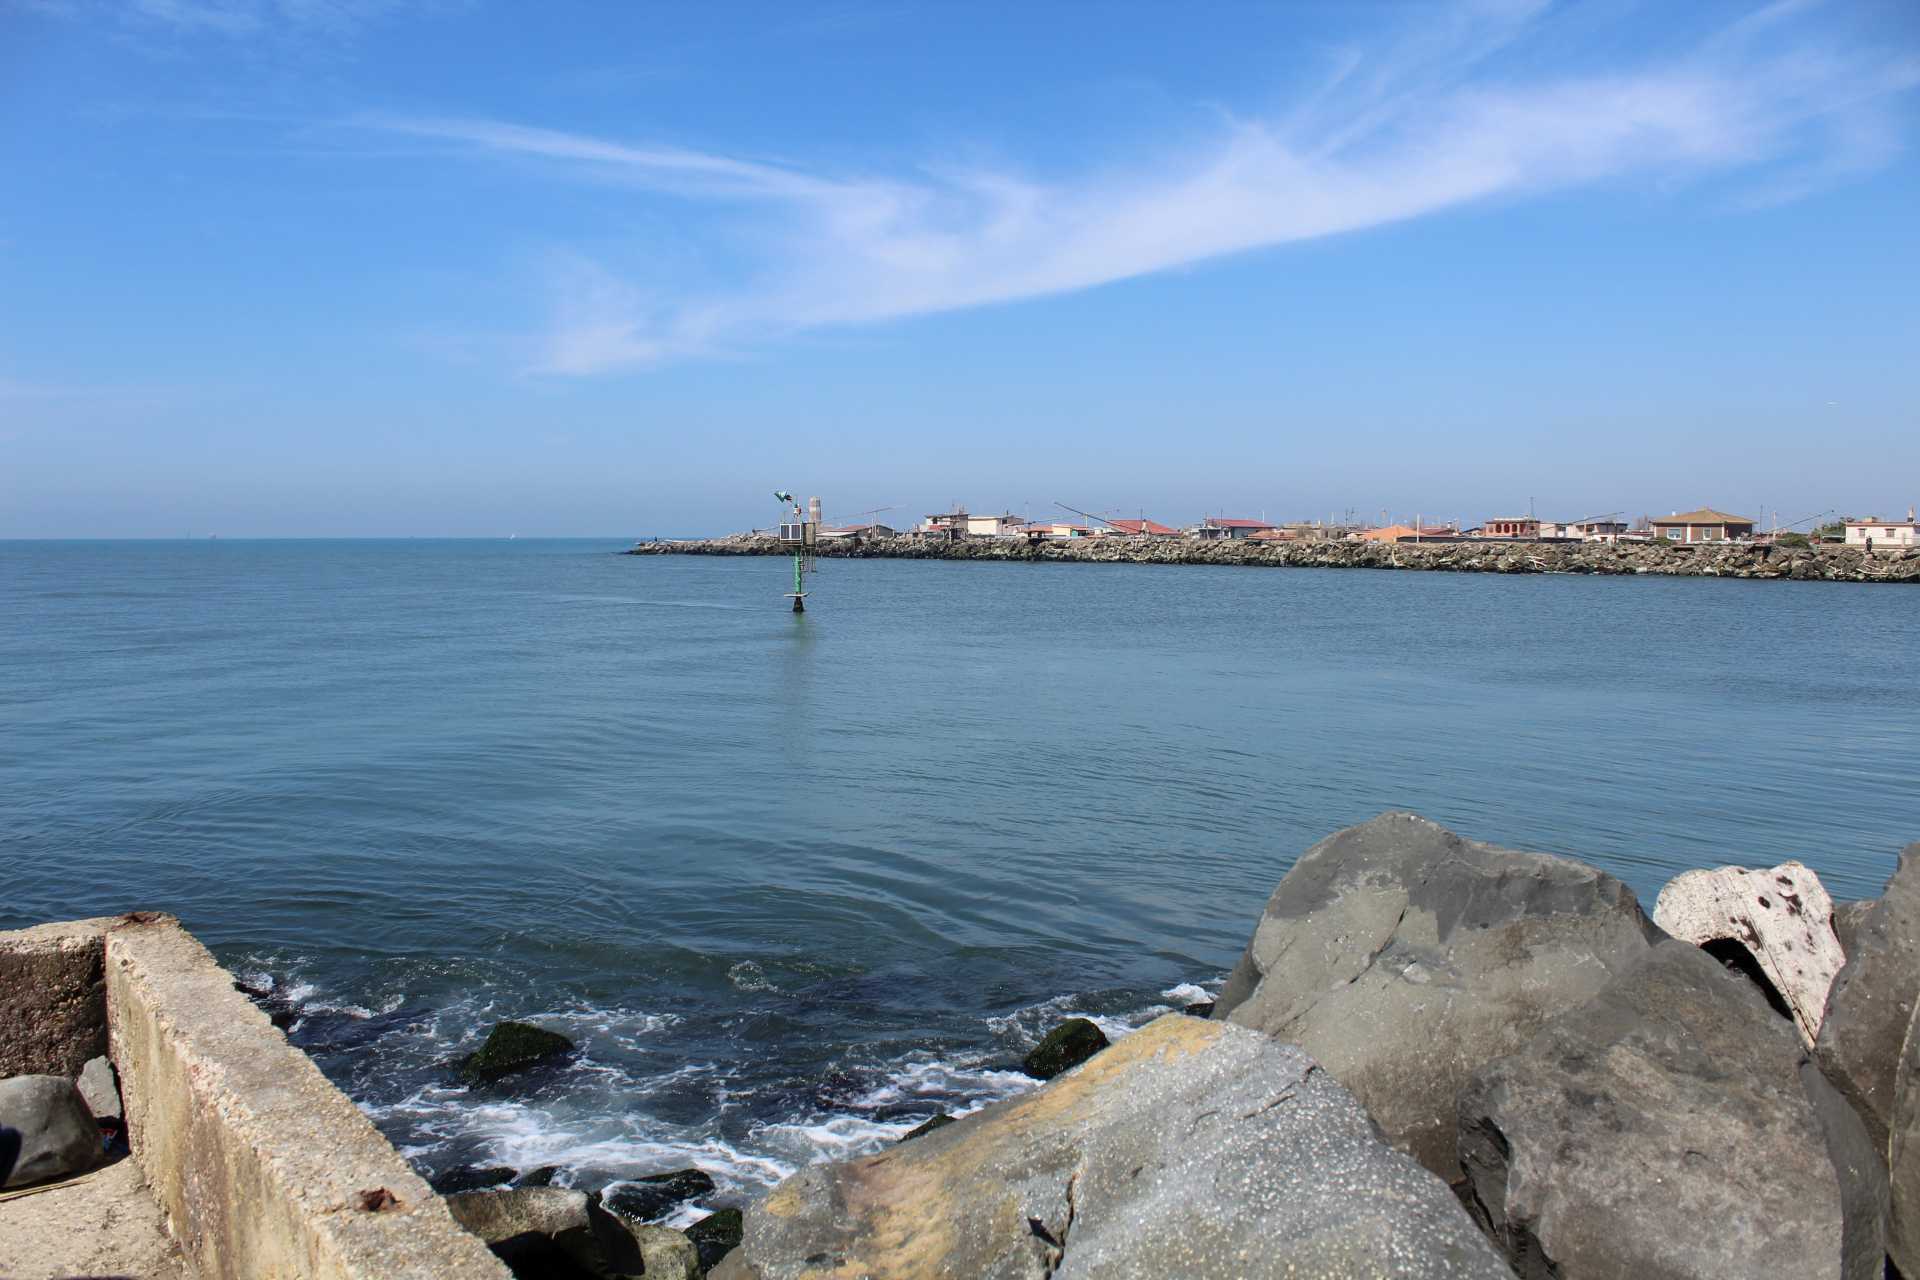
{"points": [[1884, 533], [1000, 526]]}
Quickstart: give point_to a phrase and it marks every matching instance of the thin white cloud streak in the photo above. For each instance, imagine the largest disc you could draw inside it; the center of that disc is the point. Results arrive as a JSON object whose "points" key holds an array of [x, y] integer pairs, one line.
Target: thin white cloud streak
{"points": [[1404, 134], [230, 19]]}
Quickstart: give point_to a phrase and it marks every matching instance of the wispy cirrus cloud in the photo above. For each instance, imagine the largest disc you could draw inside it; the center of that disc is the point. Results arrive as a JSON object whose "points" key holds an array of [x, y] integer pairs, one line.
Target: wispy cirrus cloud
{"points": [[229, 18], [1427, 122]]}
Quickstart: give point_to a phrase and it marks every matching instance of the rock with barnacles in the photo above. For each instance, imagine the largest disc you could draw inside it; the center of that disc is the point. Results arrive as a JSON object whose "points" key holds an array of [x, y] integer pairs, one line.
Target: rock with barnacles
{"points": [[1665, 1131], [1189, 1148], [1782, 916]]}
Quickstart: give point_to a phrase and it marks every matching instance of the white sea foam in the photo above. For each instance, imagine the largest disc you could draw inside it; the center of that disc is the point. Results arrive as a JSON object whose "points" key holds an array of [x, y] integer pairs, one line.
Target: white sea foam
{"points": [[748, 976], [595, 1116]]}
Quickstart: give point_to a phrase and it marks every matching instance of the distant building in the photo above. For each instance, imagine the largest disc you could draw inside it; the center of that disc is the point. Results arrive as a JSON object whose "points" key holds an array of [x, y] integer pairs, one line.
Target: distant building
{"points": [[859, 531], [1214, 529], [1401, 532], [1704, 525], [1001, 526], [1140, 529], [1058, 529], [1884, 533], [948, 524], [1595, 530], [1511, 527], [959, 523], [1272, 535]]}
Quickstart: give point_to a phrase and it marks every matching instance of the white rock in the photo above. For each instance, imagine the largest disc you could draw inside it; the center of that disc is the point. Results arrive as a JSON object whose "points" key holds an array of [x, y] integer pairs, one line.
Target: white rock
{"points": [[1782, 915]]}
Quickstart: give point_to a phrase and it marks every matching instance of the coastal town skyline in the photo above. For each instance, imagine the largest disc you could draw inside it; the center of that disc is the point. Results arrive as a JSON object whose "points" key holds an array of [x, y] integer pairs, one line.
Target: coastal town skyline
{"points": [[612, 268]]}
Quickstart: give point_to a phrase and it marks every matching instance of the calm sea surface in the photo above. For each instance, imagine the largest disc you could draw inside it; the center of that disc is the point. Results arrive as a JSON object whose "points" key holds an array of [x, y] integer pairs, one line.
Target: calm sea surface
{"points": [[794, 883]]}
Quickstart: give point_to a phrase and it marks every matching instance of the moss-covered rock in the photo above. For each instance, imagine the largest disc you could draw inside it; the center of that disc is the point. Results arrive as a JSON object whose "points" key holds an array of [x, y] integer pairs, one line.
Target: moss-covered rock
{"points": [[511, 1047], [1066, 1047], [716, 1235]]}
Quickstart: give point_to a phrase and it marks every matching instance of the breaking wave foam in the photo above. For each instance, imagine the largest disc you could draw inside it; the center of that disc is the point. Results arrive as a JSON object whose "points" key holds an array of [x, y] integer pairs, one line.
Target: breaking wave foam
{"points": [[632, 1101]]}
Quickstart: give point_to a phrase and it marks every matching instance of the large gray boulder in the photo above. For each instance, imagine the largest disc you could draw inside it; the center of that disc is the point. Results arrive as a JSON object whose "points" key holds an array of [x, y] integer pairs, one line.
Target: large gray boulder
{"points": [[1872, 1000], [46, 1131], [1661, 1132], [1402, 957], [1189, 1148], [1903, 1155]]}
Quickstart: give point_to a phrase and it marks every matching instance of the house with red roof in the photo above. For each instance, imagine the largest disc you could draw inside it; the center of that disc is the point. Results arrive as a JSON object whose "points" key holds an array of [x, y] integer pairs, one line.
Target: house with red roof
{"points": [[1140, 529]]}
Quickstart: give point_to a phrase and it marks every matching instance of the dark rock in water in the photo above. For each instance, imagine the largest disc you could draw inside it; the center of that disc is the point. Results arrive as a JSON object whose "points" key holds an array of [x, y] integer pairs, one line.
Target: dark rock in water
{"points": [[938, 1120], [280, 1012], [1065, 1047], [716, 1235], [46, 1131], [511, 1047], [1402, 958], [1202, 1010], [1660, 1130], [1188, 1149], [1872, 1000], [541, 1177], [655, 1196], [622, 1249], [554, 1233], [467, 1177]]}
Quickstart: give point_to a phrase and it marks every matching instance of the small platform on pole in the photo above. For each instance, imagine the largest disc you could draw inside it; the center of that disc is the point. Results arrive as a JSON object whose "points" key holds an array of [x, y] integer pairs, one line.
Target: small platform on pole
{"points": [[801, 531]]}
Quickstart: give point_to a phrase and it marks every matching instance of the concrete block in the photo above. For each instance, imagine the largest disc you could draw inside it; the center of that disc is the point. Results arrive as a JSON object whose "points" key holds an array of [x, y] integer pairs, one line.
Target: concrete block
{"points": [[53, 1002], [264, 1170]]}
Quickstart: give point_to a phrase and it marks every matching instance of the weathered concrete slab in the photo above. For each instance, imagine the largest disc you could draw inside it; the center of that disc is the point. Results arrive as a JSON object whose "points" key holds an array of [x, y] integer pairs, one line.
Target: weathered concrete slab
{"points": [[106, 1224], [1402, 957], [53, 998], [1782, 915], [262, 1167], [1660, 1132], [1189, 1148]]}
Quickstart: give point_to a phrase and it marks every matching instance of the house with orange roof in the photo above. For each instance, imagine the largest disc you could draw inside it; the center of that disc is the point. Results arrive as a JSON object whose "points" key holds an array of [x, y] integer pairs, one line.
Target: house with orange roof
{"points": [[1395, 532]]}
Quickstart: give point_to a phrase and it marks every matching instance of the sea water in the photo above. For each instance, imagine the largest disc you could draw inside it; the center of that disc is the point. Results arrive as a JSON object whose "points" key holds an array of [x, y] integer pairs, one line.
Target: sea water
{"points": [[793, 883]]}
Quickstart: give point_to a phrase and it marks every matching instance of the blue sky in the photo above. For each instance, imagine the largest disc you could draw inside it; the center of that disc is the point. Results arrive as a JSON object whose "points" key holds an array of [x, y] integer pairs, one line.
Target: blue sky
{"points": [[324, 267]]}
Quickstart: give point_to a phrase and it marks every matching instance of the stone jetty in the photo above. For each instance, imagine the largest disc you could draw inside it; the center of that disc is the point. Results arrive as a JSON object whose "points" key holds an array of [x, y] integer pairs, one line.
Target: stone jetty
{"points": [[1435, 1058], [1438, 1058], [1817, 563]]}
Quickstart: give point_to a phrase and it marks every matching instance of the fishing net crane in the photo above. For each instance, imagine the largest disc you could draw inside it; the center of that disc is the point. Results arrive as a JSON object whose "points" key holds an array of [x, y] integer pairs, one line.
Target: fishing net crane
{"points": [[801, 531]]}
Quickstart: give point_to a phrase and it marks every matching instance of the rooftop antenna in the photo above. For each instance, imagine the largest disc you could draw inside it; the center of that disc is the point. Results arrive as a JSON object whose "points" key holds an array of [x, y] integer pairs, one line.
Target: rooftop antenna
{"points": [[801, 530]]}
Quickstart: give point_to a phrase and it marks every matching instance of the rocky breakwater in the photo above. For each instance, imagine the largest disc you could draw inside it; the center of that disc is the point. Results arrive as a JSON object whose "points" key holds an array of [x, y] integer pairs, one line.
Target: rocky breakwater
{"points": [[1731, 560], [1444, 1058]]}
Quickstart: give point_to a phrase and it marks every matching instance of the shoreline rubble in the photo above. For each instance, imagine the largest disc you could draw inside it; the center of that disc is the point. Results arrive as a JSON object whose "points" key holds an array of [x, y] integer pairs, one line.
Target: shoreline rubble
{"points": [[1821, 563], [1436, 1057]]}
